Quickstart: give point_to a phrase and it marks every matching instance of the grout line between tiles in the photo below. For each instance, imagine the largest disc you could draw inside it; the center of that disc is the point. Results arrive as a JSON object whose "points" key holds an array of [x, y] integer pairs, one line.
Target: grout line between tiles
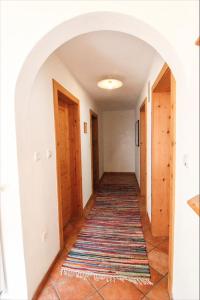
{"points": [[139, 290], [100, 295], [55, 289], [163, 276], [96, 290]]}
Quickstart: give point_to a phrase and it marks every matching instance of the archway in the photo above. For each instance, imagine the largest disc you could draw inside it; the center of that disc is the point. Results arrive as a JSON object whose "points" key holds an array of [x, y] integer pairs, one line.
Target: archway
{"points": [[63, 33]]}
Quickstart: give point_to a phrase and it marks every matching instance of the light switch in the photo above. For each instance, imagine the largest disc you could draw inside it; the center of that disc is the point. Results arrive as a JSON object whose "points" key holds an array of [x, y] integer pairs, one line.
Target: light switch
{"points": [[44, 236], [37, 156], [186, 160], [48, 153]]}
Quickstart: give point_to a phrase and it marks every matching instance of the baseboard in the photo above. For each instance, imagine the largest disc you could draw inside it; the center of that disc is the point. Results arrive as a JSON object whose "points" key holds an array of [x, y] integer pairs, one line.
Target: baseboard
{"points": [[137, 183], [148, 217], [45, 278], [116, 173], [88, 205], [101, 178]]}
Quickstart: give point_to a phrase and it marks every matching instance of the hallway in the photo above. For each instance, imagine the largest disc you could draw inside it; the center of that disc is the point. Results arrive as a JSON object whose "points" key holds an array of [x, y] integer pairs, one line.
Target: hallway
{"points": [[92, 89], [63, 287]]}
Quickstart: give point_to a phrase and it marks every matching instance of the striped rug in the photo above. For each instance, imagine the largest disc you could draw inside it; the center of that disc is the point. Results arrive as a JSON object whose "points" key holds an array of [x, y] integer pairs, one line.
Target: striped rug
{"points": [[111, 244]]}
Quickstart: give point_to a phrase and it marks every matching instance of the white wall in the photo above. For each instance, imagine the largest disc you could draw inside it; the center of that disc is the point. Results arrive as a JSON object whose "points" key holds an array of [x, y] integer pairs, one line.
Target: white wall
{"points": [[23, 27], [157, 65], [38, 179], [119, 141]]}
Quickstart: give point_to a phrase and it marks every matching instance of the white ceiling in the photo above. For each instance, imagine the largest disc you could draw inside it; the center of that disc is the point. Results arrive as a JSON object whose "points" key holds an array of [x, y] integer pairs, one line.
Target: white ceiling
{"points": [[94, 56]]}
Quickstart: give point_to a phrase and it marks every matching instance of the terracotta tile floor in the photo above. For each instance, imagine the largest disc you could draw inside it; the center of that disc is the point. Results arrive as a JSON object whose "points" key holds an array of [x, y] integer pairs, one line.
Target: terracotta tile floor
{"points": [[60, 287]]}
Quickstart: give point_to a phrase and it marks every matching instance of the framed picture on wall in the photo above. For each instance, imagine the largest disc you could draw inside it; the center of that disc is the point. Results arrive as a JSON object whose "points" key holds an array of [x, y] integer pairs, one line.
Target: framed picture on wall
{"points": [[137, 133]]}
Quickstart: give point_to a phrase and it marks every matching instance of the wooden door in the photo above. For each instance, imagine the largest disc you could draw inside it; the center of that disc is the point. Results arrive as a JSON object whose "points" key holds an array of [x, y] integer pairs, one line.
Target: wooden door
{"points": [[68, 156], [65, 161], [160, 163], [94, 150], [143, 149], [172, 181], [161, 152], [163, 160]]}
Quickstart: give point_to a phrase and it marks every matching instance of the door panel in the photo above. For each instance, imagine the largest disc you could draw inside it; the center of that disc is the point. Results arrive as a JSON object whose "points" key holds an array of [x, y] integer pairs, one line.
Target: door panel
{"points": [[160, 163], [143, 150], [64, 149], [94, 150]]}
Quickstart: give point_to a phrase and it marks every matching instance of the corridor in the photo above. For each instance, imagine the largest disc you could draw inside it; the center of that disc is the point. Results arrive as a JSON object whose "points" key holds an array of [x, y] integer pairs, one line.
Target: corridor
{"points": [[99, 91], [117, 186]]}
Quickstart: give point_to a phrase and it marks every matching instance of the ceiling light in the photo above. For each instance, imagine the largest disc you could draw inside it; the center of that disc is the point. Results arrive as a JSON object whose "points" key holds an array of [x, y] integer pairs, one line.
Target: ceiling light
{"points": [[110, 84]]}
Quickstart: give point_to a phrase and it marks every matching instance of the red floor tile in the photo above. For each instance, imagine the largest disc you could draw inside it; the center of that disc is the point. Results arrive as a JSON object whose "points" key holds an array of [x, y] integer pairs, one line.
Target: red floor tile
{"points": [[96, 296], [97, 283], [159, 291], [74, 289], [155, 277], [164, 246], [48, 293], [149, 247], [155, 241], [120, 291], [158, 260]]}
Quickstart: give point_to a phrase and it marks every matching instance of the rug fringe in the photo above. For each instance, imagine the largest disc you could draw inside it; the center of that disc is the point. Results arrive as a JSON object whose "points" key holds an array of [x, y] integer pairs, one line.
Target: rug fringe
{"points": [[84, 275]]}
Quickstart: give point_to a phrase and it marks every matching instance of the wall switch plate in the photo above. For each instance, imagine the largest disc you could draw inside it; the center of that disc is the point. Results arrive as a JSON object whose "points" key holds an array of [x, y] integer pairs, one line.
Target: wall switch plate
{"points": [[48, 153], [186, 160], [44, 236], [37, 156]]}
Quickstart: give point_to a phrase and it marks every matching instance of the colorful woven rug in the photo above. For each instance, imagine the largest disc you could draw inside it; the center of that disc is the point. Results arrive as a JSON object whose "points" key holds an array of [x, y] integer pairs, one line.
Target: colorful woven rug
{"points": [[111, 244]]}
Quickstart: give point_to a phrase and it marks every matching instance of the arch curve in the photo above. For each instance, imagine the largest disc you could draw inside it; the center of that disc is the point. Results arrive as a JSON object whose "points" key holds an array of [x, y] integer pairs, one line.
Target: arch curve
{"points": [[90, 22]]}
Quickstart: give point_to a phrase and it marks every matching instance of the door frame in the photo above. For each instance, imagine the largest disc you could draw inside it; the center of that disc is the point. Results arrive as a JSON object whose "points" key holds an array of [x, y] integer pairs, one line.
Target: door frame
{"points": [[94, 115], [144, 105], [172, 167], [58, 88]]}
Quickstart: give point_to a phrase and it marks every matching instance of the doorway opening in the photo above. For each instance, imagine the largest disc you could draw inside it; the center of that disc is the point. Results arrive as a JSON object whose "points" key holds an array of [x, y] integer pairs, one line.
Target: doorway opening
{"points": [[163, 159], [94, 150], [68, 156], [143, 150], [66, 31]]}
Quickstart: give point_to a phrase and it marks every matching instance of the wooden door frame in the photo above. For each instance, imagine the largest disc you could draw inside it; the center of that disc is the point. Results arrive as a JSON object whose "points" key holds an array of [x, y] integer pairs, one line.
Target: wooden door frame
{"points": [[94, 115], [144, 105], [172, 168], [57, 87]]}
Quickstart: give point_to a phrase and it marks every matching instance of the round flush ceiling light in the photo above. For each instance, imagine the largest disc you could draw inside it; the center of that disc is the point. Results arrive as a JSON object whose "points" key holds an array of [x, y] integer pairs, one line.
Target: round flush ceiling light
{"points": [[110, 84]]}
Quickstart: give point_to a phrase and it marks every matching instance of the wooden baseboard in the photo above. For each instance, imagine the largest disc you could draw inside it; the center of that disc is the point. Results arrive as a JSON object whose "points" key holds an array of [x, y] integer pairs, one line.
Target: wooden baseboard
{"points": [[102, 176], [45, 278], [118, 173], [88, 205], [148, 217]]}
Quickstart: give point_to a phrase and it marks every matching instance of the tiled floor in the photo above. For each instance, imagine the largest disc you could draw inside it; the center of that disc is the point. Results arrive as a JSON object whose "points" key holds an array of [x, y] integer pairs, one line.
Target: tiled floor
{"points": [[60, 287]]}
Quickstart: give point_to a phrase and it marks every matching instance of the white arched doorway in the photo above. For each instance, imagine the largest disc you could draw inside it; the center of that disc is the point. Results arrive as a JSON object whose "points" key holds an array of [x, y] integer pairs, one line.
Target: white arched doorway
{"points": [[60, 35]]}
